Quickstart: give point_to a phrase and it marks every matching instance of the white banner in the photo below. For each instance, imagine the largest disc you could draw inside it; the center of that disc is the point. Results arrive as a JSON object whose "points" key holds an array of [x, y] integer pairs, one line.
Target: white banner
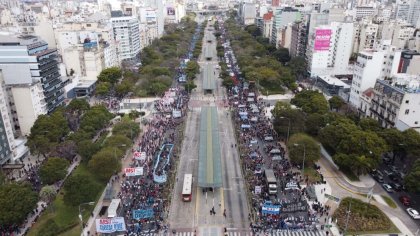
{"points": [[141, 156], [133, 171], [110, 225], [257, 189]]}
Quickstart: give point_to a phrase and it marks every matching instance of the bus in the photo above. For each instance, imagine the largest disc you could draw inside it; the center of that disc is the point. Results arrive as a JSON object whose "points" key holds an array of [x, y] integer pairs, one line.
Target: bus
{"points": [[187, 188]]}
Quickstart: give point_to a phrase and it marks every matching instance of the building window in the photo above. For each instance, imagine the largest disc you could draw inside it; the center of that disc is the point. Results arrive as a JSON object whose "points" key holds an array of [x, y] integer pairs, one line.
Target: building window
{"points": [[406, 101], [407, 111], [416, 122]]}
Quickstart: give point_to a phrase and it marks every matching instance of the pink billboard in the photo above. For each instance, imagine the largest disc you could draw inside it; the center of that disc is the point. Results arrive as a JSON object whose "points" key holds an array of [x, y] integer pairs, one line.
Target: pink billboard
{"points": [[322, 39]]}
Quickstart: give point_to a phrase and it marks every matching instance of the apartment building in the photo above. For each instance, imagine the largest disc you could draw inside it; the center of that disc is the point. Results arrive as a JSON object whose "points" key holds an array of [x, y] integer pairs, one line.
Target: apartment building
{"points": [[299, 39], [396, 102], [31, 76], [282, 18], [127, 36]]}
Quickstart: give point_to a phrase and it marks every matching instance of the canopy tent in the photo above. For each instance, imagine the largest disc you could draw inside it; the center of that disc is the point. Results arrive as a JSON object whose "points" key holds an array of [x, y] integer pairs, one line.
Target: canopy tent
{"points": [[245, 126], [268, 138]]}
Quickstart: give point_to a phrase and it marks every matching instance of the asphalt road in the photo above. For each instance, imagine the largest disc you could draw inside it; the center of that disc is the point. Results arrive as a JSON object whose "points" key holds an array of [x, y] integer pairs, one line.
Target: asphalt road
{"points": [[194, 215]]}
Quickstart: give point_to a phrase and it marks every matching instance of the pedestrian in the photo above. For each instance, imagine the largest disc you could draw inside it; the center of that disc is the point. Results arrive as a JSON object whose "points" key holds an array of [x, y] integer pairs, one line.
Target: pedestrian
{"points": [[224, 213]]}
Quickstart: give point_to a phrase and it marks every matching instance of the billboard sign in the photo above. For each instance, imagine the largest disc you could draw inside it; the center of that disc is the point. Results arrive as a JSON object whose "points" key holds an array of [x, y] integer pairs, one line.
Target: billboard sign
{"points": [[110, 225], [322, 39]]}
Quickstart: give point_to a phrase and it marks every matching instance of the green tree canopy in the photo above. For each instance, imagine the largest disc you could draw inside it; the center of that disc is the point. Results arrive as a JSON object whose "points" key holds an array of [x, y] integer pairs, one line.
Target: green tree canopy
{"points": [[129, 129], [110, 75], [314, 123], [282, 55], [411, 181], [311, 102], [332, 134], [336, 103], [16, 202], [370, 124], [47, 132], [120, 141], [283, 114], [297, 66], [47, 193], [86, 149], [366, 145], [302, 146], [105, 163], [192, 69], [53, 170], [80, 188], [103, 88]]}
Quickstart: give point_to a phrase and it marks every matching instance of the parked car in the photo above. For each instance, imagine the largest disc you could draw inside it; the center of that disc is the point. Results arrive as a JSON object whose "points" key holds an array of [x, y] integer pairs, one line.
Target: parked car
{"points": [[387, 188], [413, 213], [405, 200], [388, 172], [396, 186], [393, 177], [394, 169], [378, 178]]}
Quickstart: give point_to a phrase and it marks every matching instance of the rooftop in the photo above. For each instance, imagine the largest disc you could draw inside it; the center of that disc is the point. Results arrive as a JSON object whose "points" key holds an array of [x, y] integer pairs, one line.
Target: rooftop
{"points": [[404, 83]]}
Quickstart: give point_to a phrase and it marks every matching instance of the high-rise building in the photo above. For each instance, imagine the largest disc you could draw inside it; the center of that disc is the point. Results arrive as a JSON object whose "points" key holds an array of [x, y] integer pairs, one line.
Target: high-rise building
{"points": [[414, 13], [275, 3], [299, 39], [367, 70], [283, 17], [402, 11], [267, 24], [27, 60], [329, 49], [248, 13], [7, 141], [127, 36]]}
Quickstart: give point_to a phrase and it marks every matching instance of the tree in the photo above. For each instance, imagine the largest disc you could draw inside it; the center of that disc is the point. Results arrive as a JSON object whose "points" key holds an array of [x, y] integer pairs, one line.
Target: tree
{"points": [[283, 114], [103, 88], [105, 163], [190, 85], [192, 69], [134, 114], [370, 124], [123, 88], [411, 181], [16, 202], [110, 75], [80, 188], [311, 102], [395, 140], [314, 123], [336, 103], [53, 170], [78, 106], [303, 146], [333, 133], [282, 55], [47, 132], [366, 145], [66, 149], [129, 129], [47, 193], [297, 66], [87, 149], [120, 140]]}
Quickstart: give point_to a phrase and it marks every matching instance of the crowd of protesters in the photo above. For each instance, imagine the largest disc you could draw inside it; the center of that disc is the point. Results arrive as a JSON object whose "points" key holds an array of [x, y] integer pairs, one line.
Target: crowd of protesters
{"points": [[261, 149], [143, 192]]}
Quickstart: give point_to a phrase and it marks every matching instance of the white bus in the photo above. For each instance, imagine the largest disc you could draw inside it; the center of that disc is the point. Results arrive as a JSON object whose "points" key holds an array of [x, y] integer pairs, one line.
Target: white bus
{"points": [[187, 188]]}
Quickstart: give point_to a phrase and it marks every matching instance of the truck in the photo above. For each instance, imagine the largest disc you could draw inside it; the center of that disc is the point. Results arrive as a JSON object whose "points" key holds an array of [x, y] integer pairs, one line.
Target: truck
{"points": [[271, 181]]}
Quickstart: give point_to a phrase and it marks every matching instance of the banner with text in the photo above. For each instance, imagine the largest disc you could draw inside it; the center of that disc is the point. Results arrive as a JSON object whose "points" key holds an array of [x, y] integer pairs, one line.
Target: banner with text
{"points": [[143, 214], [133, 171], [322, 39], [110, 225], [271, 209]]}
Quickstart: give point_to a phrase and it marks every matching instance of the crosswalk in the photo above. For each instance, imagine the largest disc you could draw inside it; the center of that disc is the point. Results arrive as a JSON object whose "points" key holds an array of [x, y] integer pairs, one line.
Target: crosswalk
{"points": [[242, 233]]}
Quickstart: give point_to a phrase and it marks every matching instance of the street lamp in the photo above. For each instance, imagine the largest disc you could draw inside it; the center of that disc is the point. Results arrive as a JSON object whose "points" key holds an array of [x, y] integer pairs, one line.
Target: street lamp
{"points": [[80, 212], [288, 127], [304, 156]]}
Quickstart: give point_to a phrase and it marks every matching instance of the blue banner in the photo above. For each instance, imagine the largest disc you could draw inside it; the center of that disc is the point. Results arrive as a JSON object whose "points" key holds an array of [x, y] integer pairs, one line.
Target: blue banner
{"points": [[143, 214], [271, 209]]}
